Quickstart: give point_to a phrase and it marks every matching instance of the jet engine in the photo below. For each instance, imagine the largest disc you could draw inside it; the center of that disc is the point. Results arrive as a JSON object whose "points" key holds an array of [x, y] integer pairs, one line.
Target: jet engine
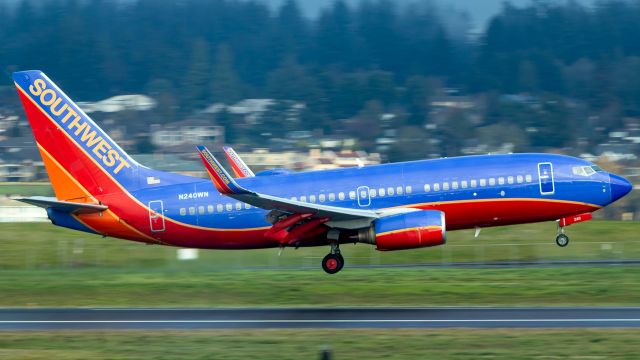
{"points": [[406, 231]]}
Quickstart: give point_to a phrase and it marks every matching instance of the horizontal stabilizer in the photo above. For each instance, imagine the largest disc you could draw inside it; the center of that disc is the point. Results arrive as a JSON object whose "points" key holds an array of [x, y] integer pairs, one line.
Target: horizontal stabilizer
{"points": [[63, 206]]}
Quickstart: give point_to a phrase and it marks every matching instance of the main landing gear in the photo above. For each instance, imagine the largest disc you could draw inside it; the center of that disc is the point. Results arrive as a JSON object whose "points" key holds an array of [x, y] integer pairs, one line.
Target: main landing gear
{"points": [[333, 262]]}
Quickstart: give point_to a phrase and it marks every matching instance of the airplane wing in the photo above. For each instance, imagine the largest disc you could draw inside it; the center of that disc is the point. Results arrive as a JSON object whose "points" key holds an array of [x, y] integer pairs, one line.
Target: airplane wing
{"points": [[63, 206], [239, 167], [335, 215]]}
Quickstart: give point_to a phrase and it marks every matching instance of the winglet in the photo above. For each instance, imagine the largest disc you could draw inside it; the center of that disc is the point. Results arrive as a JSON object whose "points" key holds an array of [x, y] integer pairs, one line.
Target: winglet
{"points": [[220, 177], [239, 167]]}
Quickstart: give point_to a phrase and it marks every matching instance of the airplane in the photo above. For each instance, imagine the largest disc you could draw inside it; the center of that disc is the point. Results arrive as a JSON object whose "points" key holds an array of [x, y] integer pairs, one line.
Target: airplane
{"points": [[100, 189]]}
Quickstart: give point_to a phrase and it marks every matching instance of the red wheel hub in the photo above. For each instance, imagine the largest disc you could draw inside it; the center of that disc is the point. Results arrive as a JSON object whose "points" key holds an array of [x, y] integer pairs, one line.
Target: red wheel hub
{"points": [[332, 264]]}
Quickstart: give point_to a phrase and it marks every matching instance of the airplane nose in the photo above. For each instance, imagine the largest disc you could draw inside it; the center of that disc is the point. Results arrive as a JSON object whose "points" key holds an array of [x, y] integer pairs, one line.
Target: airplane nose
{"points": [[619, 186]]}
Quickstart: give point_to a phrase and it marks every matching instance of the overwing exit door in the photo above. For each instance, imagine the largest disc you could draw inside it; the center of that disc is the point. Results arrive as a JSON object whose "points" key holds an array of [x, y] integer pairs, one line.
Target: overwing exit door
{"points": [[363, 196]]}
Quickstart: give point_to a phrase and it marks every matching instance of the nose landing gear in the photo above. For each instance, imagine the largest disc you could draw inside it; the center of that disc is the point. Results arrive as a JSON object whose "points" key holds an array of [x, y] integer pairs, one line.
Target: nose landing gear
{"points": [[562, 239], [333, 262]]}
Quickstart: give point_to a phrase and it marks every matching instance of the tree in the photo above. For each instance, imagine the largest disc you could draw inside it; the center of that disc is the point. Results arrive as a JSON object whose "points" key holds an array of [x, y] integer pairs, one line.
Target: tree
{"points": [[225, 85], [366, 125], [194, 85], [291, 81]]}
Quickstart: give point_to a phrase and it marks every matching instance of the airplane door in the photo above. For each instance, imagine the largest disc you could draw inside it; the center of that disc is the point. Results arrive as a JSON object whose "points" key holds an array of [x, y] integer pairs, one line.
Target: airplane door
{"points": [[545, 175], [156, 216], [363, 196]]}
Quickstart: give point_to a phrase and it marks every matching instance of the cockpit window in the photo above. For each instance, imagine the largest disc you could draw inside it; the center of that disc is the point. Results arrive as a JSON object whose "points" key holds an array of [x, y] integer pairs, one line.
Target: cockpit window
{"points": [[597, 168], [584, 170]]}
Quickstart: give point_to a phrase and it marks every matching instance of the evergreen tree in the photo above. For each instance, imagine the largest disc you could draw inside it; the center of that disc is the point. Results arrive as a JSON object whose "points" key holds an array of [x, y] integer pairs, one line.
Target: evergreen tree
{"points": [[197, 77], [225, 85]]}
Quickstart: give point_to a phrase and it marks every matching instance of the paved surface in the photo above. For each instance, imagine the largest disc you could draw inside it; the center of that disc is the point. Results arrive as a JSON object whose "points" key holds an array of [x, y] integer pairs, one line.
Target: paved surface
{"points": [[79, 318]]}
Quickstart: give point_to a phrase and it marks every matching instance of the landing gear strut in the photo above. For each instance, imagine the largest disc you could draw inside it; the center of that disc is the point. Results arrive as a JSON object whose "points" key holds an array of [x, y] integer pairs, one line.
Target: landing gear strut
{"points": [[562, 240], [333, 262]]}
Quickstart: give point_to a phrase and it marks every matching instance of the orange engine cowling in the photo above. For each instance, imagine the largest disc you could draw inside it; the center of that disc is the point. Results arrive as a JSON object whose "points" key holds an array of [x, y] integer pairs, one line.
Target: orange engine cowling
{"points": [[406, 231]]}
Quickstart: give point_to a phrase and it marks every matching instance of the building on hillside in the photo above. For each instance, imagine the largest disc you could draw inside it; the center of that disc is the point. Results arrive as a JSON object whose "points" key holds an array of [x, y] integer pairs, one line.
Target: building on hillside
{"points": [[190, 131], [119, 103], [20, 160]]}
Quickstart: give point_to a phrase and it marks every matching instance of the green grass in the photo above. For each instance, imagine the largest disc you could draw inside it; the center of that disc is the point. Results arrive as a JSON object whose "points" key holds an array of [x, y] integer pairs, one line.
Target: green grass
{"points": [[352, 287], [306, 344], [42, 265], [44, 246], [25, 189]]}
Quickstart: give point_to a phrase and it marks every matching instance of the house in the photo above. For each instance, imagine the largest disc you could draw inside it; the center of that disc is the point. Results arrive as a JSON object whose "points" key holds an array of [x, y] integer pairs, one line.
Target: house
{"points": [[190, 131], [20, 160], [119, 103]]}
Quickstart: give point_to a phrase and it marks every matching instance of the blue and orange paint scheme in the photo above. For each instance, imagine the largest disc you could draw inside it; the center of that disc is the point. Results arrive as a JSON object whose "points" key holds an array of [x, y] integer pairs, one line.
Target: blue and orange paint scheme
{"points": [[100, 189]]}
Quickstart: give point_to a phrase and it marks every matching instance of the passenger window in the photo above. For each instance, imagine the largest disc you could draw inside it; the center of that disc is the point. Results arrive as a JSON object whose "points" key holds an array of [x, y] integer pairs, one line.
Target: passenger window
{"points": [[483, 182], [183, 211], [436, 187], [501, 180], [474, 183], [321, 198], [238, 206], [427, 187], [210, 209], [201, 210], [247, 206], [219, 207], [294, 198], [445, 186], [303, 199], [229, 207], [192, 210], [390, 191], [332, 197], [372, 193], [408, 189], [352, 195], [492, 181], [510, 179], [454, 185], [528, 178], [341, 196], [519, 179], [381, 192], [312, 199], [463, 184], [399, 190]]}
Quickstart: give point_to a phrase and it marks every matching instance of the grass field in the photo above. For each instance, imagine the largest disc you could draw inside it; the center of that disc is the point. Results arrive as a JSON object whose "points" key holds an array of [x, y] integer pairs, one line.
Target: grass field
{"points": [[25, 246], [306, 344], [356, 287], [26, 189], [42, 265]]}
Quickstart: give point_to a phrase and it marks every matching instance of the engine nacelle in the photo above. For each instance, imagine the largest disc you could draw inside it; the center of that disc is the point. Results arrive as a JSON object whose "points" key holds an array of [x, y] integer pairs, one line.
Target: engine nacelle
{"points": [[406, 231]]}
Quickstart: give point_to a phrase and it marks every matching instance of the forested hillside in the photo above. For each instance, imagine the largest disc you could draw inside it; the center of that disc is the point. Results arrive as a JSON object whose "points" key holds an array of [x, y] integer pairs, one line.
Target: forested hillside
{"points": [[580, 64]]}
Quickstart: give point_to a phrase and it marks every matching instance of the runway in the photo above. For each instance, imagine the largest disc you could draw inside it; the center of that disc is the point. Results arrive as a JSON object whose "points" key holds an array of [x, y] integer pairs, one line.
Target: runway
{"points": [[278, 318]]}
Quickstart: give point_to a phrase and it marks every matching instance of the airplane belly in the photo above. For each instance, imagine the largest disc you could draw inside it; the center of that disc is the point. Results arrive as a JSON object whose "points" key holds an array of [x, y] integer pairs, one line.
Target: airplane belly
{"points": [[497, 212]]}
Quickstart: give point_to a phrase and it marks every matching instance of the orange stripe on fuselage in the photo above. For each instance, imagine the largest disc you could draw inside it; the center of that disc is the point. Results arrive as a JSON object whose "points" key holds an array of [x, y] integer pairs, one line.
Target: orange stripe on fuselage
{"points": [[105, 223]]}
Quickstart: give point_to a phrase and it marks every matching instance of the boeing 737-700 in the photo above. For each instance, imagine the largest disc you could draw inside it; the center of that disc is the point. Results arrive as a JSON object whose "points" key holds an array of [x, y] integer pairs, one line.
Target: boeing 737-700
{"points": [[100, 189]]}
